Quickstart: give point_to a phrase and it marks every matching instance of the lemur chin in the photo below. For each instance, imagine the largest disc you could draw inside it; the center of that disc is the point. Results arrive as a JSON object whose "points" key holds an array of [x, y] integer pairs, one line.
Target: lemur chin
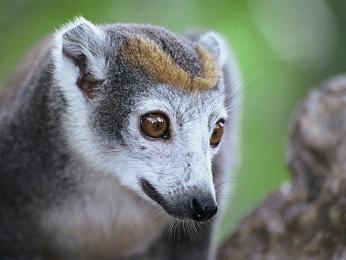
{"points": [[111, 135]]}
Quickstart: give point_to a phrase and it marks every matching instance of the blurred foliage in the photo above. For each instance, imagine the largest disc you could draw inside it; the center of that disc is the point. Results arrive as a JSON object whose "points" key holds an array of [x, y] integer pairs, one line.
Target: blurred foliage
{"points": [[283, 48]]}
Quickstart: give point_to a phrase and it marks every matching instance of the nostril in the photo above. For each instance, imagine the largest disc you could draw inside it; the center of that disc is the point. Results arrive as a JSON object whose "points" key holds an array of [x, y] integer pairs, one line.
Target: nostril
{"points": [[197, 207], [202, 212]]}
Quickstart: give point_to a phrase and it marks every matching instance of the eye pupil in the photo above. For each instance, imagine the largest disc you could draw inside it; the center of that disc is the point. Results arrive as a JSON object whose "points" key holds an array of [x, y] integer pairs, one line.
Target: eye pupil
{"points": [[155, 125]]}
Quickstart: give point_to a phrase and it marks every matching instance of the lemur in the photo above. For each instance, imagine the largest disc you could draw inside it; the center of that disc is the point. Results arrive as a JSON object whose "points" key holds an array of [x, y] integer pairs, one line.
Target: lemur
{"points": [[113, 141]]}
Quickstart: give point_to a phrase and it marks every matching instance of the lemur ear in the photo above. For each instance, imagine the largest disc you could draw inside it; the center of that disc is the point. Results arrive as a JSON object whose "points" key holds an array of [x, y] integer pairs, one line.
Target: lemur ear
{"points": [[83, 45], [216, 45]]}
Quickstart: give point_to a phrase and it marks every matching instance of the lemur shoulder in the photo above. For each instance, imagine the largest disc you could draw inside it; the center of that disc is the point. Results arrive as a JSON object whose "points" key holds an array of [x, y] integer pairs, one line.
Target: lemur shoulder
{"points": [[113, 138]]}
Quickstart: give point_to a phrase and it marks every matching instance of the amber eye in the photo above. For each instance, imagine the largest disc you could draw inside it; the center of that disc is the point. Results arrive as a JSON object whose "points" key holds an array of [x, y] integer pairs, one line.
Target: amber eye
{"points": [[155, 125], [217, 133]]}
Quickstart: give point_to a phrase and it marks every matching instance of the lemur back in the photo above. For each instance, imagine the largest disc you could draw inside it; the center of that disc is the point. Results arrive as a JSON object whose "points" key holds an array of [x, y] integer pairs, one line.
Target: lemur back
{"points": [[112, 141]]}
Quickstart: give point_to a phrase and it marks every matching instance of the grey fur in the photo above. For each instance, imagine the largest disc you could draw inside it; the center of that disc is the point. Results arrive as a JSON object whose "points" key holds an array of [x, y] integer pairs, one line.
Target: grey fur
{"points": [[44, 177]]}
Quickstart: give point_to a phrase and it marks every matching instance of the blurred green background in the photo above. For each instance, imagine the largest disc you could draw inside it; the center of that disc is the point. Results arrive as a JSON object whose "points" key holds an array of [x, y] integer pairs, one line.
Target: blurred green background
{"points": [[283, 48]]}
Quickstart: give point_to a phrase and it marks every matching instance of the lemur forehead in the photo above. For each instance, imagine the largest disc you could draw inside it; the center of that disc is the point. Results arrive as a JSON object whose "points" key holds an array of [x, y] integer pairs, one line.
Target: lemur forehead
{"points": [[147, 55]]}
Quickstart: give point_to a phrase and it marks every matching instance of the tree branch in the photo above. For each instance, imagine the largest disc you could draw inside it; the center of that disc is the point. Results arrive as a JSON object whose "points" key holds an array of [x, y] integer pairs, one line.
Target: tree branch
{"points": [[305, 219]]}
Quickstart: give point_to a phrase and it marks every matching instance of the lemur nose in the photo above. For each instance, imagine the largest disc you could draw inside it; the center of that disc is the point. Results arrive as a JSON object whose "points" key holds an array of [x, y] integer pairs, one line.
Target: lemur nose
{"points": [[203, 211]]}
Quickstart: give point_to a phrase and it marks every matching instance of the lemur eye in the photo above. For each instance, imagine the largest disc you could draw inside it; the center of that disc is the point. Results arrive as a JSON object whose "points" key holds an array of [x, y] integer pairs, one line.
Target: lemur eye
{"points": [[217, 133], [155, 125]]}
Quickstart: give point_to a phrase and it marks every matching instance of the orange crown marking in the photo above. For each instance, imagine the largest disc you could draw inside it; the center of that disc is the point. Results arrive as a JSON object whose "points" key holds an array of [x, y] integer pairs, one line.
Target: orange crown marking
{"points": [[145, 54]]}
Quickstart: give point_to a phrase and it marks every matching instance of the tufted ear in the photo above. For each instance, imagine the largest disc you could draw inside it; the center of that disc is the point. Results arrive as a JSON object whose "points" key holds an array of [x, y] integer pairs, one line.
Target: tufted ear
{"points": [[82, 45], [231, 75], [216, 45]]}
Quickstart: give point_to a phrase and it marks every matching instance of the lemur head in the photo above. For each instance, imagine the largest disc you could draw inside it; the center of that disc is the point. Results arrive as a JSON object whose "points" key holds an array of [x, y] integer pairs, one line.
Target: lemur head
{"points": [[147, 106]]}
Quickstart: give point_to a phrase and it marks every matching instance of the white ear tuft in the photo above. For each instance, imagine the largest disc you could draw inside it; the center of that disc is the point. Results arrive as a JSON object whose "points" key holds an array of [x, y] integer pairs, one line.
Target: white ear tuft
{"points": [[80, 48], [216, 45]]}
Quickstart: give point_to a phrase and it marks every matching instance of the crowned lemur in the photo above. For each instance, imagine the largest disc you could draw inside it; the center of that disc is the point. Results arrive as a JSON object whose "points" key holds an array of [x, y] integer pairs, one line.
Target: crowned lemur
{"points": [[117, 142]]}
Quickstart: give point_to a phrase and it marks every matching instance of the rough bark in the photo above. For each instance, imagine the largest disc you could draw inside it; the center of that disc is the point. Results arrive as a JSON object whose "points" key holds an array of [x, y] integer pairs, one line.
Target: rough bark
{"points": [[305, 219]]}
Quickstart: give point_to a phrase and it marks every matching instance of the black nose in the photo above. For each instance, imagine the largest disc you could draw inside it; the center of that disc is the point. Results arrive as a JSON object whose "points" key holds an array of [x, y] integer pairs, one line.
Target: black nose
{"points": [[203, 211]]}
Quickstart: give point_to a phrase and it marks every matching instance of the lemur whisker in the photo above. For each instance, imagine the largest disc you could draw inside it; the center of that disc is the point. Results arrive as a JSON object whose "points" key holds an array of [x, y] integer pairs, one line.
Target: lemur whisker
{"points": [[220, 185]]}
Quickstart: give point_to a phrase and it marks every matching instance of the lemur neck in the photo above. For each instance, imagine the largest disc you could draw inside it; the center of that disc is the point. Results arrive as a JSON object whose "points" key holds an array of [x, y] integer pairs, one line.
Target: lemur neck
{"points": [[31, 142]]}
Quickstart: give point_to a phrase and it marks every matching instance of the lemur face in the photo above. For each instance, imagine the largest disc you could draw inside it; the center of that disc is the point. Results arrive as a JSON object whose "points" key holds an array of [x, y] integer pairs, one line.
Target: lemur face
{"points": [[169, 143], [146, 106]]}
